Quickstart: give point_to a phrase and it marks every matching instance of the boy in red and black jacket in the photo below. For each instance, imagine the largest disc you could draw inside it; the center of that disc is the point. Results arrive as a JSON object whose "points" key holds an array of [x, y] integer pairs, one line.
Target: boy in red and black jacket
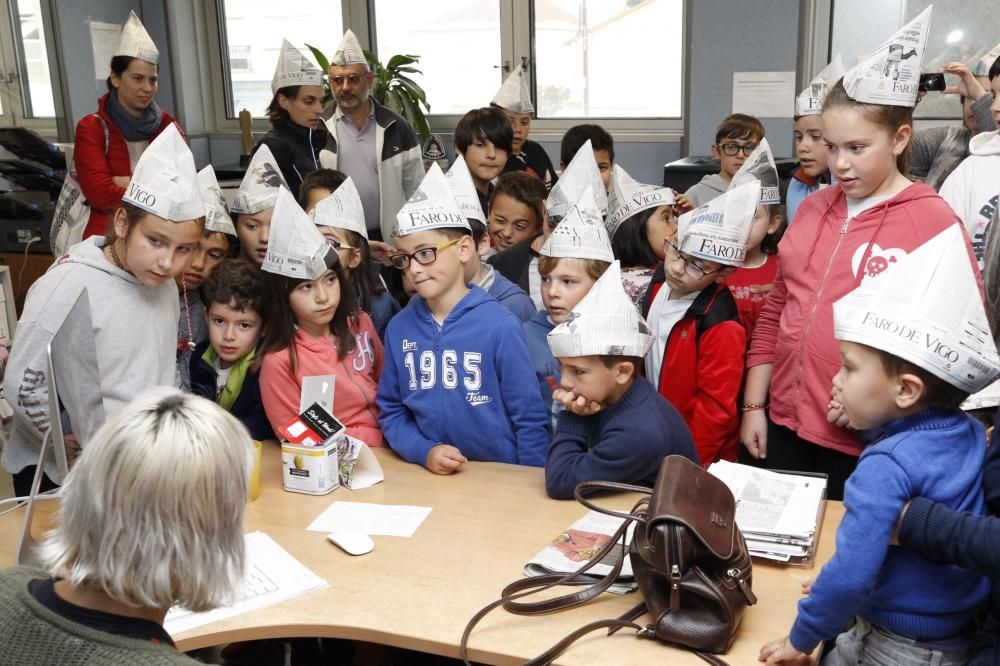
{"points": [[699, 349]]}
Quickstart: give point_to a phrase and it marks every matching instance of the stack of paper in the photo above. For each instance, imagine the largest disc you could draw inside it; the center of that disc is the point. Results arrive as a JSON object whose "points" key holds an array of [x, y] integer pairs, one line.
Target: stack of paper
{"points": [[575, 546], [776, 512]]}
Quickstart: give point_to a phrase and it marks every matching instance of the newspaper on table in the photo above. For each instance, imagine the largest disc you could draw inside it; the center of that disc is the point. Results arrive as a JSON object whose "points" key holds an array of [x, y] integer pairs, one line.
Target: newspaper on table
{"points": [[891, 74], [581, 172], [576, 545], [776, 512], [718, 231], [928, 310]]}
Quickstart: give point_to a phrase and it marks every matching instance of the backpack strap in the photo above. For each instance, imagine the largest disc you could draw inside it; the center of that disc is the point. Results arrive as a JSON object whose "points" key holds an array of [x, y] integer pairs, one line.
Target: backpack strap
{"points": [[107, 133]]}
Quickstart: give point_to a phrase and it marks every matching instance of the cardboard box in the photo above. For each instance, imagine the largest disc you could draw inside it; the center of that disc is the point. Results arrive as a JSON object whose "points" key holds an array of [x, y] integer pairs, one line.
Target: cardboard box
{"points": [[312, 470]]}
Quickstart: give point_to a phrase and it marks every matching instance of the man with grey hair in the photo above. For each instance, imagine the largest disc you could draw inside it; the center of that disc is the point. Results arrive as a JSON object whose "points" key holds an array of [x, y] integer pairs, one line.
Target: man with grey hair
{"points": [[373, 145]]}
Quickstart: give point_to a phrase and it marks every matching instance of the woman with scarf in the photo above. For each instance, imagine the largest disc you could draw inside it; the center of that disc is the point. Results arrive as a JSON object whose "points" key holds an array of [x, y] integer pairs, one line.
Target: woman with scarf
{"points": [[109, 142]]}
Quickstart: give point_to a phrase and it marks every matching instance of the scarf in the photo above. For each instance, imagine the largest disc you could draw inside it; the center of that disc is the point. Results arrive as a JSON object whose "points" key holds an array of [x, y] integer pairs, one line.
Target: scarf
{"points": [[237, 376], [142, 128]]}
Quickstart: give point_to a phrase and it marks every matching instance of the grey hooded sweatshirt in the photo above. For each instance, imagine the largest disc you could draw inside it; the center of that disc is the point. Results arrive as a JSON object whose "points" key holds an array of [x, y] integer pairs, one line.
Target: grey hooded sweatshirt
{"points": [[134, 333], [706, 189]]}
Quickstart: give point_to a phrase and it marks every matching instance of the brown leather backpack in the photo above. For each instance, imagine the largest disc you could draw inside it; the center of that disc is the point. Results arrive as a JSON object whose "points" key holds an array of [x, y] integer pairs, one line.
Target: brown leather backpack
{"points": [[688, 557]]}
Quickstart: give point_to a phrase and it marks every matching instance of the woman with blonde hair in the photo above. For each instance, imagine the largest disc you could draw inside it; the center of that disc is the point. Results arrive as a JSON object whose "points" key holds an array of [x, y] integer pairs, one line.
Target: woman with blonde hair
{"points": [[151, 517]]}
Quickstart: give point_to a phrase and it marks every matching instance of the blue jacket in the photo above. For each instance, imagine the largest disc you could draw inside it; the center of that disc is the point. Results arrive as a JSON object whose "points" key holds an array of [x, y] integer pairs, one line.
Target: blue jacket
{"points": [[248, 407], [546, 366], [511, 297], [970, 541], [467, 383], [935, 454], [797, 191], [625, 442]]}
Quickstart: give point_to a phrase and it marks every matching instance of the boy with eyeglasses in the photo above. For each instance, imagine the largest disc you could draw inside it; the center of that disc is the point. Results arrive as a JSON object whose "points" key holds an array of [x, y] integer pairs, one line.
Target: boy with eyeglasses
{"points": [[699, 346], [457, 383], [735, 139]]}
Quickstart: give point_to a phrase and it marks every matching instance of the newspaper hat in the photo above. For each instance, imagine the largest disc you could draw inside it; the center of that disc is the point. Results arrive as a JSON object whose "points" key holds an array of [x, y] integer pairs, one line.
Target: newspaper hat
{"points": [[760, 167], [514, 94], [604, 323], [216, 211], [579, 174], [165, 182], [927, 310], [135, 42], [294, 69], [628, 197], [295, 247], [810, 101], [464, 190], [718, 231], [980, 66], [349, 52], [891, 74], [432, 206], [581, 234], [342, 209], [260, 183]]}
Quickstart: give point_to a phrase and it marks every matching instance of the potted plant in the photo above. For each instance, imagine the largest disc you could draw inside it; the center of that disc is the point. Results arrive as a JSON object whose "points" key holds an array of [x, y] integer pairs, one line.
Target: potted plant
{"points": [[392, 87]]}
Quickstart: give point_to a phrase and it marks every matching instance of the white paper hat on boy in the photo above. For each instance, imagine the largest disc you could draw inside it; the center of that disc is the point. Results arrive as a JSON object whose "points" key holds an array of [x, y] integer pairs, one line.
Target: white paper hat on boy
{"points": [[927, 310], [980, 66], [432, 206], [627, 197], [165, 182], [294, 69], [760, 167], [581, 234], [514, 94], [464, 190], [135, 42], [349, 52], [718, 231], [342, 209], [891, 74], [581, 172], [810, 101], [216, 211], [604, 323], [295, 247], [260, 184]]}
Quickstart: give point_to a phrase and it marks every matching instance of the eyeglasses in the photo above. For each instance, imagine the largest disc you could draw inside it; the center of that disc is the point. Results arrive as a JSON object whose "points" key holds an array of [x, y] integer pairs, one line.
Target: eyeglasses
{"points": [[691, 268], [426, 256], [352, 79], [733, 149]]}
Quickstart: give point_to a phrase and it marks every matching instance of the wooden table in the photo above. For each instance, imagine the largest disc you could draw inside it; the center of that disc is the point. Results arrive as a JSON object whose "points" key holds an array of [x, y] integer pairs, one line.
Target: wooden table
{"points": [[418, 593]]}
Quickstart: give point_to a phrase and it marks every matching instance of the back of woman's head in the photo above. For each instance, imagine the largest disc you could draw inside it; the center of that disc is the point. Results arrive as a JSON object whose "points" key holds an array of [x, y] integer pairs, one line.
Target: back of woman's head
{"points": [[888, 116], [152, 513]]}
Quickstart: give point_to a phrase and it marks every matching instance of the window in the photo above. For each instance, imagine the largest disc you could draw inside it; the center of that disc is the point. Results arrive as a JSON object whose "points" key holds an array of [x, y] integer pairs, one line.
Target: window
{"points": [[961, 30], [25, 80], [262, 24]]}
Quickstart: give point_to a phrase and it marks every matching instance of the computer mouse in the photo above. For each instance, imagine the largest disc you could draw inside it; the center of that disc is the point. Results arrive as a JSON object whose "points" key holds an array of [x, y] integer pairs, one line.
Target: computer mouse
{"points": [[352, 543]]}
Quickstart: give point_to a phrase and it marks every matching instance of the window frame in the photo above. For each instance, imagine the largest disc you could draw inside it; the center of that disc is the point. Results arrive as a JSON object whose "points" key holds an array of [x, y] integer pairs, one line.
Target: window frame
{"points": [[12, 61]]}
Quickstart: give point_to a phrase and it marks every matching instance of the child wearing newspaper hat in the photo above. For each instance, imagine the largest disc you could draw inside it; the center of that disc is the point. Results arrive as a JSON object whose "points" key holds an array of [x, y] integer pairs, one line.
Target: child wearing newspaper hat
{"points": [[514, 99], [215, 244], [616, 427], [457, 383], [736, 137], [914, 342], [696, 361], [485, 139], [128, 276], [852, 231], [254, 204], [313, 327], [335, 205], [601, 143]]}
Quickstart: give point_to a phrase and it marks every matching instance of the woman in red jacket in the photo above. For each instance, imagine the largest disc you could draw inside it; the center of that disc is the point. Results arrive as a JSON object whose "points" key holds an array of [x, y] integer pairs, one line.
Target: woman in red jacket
{"points": [[109, 142]]}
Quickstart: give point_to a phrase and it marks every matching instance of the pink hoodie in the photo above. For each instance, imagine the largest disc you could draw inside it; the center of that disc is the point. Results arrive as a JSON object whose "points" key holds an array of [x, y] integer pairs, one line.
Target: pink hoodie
{"points": [[824, 256], [357, 380]]}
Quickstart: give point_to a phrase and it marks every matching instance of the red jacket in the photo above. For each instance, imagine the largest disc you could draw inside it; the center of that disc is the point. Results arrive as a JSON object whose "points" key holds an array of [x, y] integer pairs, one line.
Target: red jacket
{"points": [[823, 257], [94, 169], [702, 370]]}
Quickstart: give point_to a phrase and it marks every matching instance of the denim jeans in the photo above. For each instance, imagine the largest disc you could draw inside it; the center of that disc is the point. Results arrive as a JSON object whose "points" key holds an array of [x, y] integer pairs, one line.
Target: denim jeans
{"points": [[868, 644]]}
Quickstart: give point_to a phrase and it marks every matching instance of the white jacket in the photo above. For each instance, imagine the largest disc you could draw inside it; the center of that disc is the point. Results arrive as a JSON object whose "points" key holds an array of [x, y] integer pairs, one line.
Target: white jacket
{"points": [[973, 188]]}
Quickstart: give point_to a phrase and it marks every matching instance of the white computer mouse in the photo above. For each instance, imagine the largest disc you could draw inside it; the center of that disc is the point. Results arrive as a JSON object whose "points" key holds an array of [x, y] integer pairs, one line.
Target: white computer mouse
{"points": [[352, 543]]}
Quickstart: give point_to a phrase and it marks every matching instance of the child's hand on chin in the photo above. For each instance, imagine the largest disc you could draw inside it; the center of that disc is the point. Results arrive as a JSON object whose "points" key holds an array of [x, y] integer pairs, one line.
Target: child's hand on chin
{"points": [[445, 459], [577, 404]]}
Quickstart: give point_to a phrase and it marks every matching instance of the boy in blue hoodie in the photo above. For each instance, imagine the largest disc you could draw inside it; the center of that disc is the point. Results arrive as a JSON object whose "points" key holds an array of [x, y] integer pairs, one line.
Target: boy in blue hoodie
{"points": [[908, 360], [457, 383]]}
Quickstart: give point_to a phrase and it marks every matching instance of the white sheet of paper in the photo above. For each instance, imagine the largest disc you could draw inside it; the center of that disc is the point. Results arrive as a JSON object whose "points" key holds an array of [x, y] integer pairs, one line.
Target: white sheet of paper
{"points": [[318, 389], [371, 519], [764, 94], [272, 576], [104, 39]]}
